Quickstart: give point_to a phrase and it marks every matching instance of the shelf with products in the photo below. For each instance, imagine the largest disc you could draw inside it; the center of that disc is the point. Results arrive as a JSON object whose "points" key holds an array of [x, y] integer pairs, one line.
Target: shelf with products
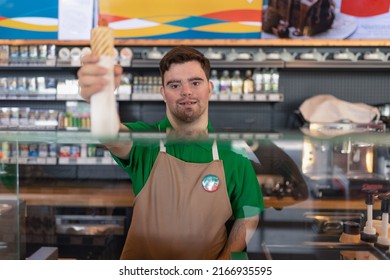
{"points": [[280, 64], [65, 58], [145, 63], [228, 97], [60, 65], [277, 42], [81, 148], [338, 64], [45, 53], [83, 137], [74, 116], [52, 153], [136, 97], [133, 87]]}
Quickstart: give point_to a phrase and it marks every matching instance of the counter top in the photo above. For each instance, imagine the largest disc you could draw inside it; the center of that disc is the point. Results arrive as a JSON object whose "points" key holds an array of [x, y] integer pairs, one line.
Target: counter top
{"points": [[96, 194], [120, 194], [311, 203]]}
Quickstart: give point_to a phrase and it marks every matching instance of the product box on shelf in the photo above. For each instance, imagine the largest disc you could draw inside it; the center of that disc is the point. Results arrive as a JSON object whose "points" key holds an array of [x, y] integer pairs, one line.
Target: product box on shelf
{"points": [[33, 54], [68, 89], [4, 55], [21, 118]]}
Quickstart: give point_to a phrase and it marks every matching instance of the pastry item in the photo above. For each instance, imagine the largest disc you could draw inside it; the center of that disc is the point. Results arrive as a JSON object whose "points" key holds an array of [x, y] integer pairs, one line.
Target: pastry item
{"points": [[104, 114], [102, 39]]}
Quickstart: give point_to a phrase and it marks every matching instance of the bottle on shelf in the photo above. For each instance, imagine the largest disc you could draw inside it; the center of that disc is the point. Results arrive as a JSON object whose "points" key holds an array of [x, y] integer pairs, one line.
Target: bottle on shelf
{"points": [[350, 235], [156, 84], [258, 80], [216, 82], [225, 82], [274, 80], [237, 82], [267, 86], [383, 240], [248, 84], [368, 235], [136, 87]]}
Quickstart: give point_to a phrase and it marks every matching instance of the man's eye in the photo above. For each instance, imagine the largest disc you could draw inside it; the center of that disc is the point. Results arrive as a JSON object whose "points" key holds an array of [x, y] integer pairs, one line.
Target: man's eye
{"points": [[174, 86], [196, 83]]}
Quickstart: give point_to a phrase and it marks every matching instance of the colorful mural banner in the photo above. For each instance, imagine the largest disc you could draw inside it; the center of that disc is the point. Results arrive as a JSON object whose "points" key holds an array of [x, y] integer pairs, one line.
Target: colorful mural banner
{"points": [[26, 19], [326, 19], [198, 19], [178, 19]]}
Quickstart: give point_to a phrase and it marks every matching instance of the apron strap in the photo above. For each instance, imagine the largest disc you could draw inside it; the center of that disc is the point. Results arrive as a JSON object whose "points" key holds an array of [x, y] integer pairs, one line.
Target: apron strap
{"points": [[162, 147], [215, 151]]}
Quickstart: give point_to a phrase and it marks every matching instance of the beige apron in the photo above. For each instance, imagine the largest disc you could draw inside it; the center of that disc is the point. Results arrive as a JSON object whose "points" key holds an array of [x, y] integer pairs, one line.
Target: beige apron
{"points": [[174, 216]]}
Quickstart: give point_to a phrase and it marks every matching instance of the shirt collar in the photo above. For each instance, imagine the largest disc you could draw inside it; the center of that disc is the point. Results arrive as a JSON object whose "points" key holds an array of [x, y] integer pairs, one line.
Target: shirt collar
{"points": [[165, 123]]}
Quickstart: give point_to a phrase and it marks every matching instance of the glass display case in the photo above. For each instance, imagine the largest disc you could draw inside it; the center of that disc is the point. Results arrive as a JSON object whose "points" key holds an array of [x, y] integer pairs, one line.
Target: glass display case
{"points": [[12, 211], [63, 190], [60, 190]]}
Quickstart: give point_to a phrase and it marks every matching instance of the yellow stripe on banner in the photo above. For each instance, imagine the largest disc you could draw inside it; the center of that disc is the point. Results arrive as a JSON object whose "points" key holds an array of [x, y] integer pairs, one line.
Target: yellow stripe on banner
{"points": [[229, 27], [150, 8], [148, 31], [27, 26]]}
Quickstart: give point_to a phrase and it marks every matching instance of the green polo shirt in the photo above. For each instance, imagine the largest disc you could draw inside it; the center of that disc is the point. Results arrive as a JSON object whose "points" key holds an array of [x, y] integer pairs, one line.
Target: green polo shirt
{"points": [[243, 187]]}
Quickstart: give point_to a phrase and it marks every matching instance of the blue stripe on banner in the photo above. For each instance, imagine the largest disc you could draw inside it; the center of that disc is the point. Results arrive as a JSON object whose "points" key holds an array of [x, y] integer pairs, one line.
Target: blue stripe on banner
{"points": [[11, 33], [28, 8], [192, 22]]}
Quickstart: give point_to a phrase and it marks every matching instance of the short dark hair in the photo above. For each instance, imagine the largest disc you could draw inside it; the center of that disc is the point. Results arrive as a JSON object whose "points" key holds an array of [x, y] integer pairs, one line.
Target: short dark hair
{"points": [[181, 54]]}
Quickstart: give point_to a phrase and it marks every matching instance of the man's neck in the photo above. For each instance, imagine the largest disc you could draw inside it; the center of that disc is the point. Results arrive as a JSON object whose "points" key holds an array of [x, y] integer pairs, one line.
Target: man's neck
{"points": [[193, 129]]}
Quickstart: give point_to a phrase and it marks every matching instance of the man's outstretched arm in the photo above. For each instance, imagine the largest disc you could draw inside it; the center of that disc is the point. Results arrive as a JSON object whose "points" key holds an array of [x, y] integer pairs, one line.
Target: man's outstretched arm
{"points": [[240, 235]]}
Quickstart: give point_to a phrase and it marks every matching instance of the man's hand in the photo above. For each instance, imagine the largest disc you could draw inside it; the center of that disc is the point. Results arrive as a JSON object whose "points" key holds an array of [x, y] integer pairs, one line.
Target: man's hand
{"points": [[240, 235], [91, 76]]}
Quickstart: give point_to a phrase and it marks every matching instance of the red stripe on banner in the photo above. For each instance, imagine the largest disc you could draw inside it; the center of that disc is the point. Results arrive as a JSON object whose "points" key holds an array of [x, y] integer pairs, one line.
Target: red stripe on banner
{"points": [[236, 15], [111, 18]]}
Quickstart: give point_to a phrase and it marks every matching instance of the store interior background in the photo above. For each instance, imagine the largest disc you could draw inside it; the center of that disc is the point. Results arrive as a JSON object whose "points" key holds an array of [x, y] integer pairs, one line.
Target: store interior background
{"points": [[282, 222]]}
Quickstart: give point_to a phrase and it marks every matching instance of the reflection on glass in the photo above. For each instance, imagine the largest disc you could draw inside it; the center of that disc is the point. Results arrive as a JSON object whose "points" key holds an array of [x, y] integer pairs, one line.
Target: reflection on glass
{"points": [[79, 201]]}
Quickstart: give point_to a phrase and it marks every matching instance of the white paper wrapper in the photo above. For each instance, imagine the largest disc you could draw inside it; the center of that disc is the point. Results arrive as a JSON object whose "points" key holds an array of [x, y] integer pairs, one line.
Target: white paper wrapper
{"points": [[104, 115], [327, 108]]}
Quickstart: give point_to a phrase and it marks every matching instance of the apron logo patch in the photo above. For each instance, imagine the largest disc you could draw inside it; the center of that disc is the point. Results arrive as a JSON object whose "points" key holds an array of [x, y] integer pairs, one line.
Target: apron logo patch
{"points": [[210, 183]]}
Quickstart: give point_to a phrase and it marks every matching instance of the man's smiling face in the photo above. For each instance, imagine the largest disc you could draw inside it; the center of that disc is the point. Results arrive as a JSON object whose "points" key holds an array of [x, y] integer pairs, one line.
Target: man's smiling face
{"points": [[186, 92]]}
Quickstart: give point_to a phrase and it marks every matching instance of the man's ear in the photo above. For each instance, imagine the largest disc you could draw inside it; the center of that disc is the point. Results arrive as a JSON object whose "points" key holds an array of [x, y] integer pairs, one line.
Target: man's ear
{"points": [[162, 92], [211, 88]]}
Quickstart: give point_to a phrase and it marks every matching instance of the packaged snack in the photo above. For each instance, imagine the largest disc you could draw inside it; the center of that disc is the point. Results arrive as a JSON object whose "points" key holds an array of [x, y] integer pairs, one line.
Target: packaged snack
{"points": [[4, 117], [33, 54], [14, 54], [4, 54], [42, 52], [31, 84]]}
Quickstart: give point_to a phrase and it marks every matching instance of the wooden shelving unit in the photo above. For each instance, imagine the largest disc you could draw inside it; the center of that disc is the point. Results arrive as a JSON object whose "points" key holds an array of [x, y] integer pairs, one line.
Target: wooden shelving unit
{"points": [[218, 42]]}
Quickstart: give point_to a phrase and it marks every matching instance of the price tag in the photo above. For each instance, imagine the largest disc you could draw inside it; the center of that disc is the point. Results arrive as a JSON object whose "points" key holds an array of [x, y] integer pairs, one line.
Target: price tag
{"points": [[248, 97], [274, 97], [223, 97], [261, 97], [235, 97]]}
